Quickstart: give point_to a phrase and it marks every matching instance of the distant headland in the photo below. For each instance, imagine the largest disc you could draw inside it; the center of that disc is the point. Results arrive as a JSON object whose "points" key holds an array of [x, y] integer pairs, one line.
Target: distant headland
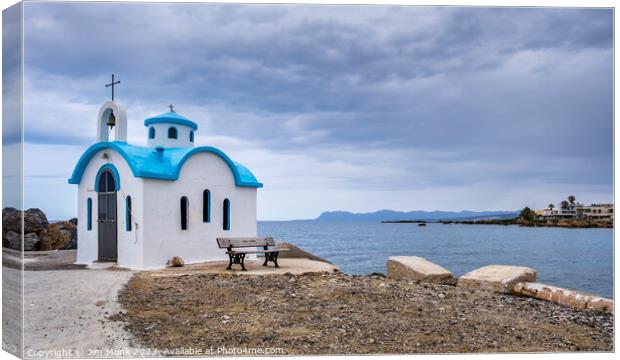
{"points": [[571, 214], [417, 215]]}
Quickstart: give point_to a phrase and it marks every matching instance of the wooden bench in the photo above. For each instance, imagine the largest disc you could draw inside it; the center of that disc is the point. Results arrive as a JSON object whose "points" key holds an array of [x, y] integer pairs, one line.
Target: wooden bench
{"points": [[234, 248]]}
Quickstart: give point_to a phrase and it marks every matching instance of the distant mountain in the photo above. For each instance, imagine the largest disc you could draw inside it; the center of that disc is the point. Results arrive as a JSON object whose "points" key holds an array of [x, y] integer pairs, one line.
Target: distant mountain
{"points": [[391, 215]]}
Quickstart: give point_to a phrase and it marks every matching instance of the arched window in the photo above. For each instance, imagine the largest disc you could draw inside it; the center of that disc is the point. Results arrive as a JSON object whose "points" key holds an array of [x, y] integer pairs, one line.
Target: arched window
{"points": [[151, 133], [172, 133], [106, 181], [206, 206], [226, 208], [184, 212], [89, 214], [191, 136], [128, 213]]}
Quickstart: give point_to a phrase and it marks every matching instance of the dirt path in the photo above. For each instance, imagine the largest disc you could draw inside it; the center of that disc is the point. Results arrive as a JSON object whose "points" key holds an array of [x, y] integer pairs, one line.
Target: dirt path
{"points": [[341, 314], [67, 309], [12, 311]]}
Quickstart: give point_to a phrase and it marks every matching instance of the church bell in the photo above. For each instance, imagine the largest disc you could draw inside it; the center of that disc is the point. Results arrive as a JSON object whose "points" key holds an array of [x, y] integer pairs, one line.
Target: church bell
{"points": [[111, 119]]}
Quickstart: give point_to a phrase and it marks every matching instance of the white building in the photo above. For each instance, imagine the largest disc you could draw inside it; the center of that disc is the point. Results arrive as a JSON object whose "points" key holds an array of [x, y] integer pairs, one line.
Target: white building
{"points": [[140, 206], [600, 212], [596, 212]]}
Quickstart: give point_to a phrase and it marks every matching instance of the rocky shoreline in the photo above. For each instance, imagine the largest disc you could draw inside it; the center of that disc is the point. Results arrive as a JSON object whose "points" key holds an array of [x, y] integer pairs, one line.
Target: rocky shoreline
{"points": [[570, 224], [336, 313]]}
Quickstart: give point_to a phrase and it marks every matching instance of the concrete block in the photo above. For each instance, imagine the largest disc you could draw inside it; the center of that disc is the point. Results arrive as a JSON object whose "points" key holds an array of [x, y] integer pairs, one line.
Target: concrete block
{"points": [[497, 278], [418, 269]]}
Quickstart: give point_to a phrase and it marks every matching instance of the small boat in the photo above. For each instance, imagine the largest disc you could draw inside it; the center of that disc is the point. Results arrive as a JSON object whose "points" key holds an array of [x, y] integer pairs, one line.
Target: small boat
{"points": [[422, 224]]}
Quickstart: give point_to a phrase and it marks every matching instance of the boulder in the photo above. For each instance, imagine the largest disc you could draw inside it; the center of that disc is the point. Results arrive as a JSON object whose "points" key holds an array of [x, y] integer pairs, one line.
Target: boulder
{"points": [[418, 269], [59, 236], [73, 231], [31, 242], [176, 262], [13, 240], [34, 221], [497, 278], [563, 296], [11, 220]]}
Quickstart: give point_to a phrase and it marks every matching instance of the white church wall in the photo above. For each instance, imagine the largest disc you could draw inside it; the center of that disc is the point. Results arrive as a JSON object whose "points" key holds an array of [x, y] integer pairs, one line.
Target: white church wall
{"points": [[161, 136], [162, 203], [129, 243]]}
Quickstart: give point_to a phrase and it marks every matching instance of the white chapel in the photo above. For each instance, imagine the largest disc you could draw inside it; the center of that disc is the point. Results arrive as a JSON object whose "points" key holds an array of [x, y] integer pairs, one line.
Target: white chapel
{"points": [[138, 206]]}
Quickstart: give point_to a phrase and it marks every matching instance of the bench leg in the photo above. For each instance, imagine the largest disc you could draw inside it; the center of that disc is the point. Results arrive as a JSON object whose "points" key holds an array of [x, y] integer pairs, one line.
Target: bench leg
{"points": [[230, 262], [236, 259], [275, 258], [242, 262], [267, 258]]}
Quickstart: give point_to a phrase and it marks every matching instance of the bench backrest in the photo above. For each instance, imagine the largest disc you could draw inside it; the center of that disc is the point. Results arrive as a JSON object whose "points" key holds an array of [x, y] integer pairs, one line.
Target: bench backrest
{"points": [[238, 242]]}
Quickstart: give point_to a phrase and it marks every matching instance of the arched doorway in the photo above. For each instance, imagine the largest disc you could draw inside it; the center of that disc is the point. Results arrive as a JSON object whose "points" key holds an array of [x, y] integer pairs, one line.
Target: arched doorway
{"points": [[106, 189]]}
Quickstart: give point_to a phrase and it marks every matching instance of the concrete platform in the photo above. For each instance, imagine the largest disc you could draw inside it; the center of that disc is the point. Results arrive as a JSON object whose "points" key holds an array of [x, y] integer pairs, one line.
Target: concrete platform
{"points": [[418, 269], [254, 267], [40, 260], [101, 266], [497, 278]]}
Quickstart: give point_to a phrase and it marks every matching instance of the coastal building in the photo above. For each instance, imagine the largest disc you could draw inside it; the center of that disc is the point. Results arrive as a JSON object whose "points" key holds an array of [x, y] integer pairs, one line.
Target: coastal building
{"points": [[139, 206], [554, 214], [601, 212], [577, 211]]}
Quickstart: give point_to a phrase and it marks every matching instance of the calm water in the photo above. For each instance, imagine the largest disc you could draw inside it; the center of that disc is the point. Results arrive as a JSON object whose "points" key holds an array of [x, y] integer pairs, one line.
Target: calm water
{"points": [[580, 259]]}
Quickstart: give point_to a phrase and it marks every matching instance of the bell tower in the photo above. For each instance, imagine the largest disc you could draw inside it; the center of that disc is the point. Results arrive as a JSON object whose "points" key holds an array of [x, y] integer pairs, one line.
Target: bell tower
{"points": [[112, 116]]}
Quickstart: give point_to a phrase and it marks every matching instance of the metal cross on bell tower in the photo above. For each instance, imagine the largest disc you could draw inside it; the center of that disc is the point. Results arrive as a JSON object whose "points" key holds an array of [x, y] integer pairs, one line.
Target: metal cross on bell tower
{"points": [[112, 85], [171, 107]]}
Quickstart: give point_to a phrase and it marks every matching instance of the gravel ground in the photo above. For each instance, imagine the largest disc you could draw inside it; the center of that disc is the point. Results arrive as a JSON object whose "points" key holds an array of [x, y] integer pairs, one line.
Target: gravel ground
{"points": [[340, 314]]}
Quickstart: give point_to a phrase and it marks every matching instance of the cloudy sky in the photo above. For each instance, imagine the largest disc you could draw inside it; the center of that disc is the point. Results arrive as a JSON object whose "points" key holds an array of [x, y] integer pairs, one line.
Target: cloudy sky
{"points": [[356, 108]]}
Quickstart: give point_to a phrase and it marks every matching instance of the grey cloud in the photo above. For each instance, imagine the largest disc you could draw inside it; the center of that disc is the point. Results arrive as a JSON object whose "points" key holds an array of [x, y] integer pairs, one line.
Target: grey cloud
{"points": [[492, 87]]}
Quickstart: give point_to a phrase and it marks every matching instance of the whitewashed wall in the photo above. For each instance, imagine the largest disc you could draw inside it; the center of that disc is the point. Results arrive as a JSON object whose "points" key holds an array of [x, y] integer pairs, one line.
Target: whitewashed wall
{"points": [[162, 202], [129, 243], [161, 136]]}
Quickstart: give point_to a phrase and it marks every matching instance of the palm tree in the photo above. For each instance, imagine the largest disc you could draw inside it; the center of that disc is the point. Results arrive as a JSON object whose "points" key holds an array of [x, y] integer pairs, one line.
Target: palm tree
{"points": [[551, 206], [564, 205], [571, 199]]}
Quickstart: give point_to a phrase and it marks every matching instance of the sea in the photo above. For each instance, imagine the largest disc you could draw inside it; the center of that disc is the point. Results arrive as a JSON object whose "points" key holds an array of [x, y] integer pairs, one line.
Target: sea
{"points": [[580, 259]]}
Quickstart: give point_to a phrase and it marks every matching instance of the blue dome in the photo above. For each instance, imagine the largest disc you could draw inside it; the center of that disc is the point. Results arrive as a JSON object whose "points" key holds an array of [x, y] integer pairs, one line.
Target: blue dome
{"points": [[171, 117]]}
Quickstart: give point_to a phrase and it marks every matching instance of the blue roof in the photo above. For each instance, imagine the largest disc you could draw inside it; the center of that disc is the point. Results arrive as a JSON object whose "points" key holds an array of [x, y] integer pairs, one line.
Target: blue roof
{"points": [[170, 117], [146, 162]]}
